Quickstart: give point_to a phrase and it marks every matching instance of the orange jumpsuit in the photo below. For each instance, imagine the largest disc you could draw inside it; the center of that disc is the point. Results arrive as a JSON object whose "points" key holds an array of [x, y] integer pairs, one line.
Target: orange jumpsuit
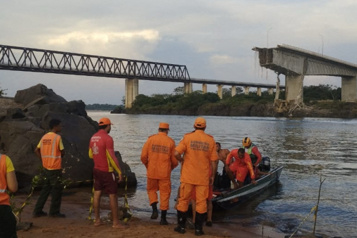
{"points": [[200, 151], [240, 167], [158, 157]]}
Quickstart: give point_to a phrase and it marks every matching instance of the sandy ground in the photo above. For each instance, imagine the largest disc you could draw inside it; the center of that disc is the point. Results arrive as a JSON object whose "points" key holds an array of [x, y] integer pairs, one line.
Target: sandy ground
{"points": [[76, 224]]}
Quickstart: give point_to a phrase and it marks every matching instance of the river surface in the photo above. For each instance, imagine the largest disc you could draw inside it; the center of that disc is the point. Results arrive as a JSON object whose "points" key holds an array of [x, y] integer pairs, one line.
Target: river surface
{"points": [[310, 149]]}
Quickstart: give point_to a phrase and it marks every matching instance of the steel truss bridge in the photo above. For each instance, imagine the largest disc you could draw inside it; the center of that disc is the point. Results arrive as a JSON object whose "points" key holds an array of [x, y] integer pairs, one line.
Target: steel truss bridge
{"points": [[49, 61]]}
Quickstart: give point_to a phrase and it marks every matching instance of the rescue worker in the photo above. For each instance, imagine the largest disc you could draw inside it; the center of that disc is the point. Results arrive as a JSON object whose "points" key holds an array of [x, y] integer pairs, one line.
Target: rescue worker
{"points": [[252, 150], [241, 166], [158, 157], [8, 183], [209, 204], [101, 150], [51, 151], [200, 156]]}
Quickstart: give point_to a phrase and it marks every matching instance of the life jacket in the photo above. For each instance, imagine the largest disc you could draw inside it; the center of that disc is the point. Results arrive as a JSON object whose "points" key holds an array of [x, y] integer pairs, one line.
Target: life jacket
{"points": [[4, 197], [50, 153], [249, 151], [253, 157]]}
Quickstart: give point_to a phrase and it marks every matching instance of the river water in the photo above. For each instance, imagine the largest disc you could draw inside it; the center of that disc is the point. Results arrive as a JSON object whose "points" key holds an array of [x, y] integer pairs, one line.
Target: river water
{"points": [[310, 149]]}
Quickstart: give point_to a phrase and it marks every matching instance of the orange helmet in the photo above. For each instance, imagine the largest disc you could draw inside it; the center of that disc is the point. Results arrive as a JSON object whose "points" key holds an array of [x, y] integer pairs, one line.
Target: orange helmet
{"points": [[246, 142]]}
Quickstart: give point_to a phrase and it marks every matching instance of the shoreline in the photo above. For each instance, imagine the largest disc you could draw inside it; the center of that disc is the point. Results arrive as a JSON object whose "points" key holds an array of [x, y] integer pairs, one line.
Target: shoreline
{"points": [[75, 204]]}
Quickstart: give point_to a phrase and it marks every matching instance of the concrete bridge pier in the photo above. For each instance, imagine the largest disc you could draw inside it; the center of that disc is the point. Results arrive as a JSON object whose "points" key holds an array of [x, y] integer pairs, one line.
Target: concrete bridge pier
{"points": [[246, 90], [233, 91], [270, 91], [187, 87], [219, 90], [294, 88], [349, 89], [259, 92], [204, 88], [131, 91]]}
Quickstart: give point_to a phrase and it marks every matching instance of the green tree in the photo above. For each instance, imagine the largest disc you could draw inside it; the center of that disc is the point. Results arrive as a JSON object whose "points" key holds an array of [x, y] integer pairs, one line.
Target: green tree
{"points": [[2, 92], [321, 92], [179, 90]]}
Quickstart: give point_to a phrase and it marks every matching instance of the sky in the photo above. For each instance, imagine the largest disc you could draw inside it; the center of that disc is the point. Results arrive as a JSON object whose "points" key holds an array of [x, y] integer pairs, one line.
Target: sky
{"points": [[213, 38]]}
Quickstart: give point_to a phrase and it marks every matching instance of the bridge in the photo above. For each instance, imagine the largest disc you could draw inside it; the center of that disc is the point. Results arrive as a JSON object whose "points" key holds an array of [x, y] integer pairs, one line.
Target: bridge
{"points": [[49, 61], [295, 63]]}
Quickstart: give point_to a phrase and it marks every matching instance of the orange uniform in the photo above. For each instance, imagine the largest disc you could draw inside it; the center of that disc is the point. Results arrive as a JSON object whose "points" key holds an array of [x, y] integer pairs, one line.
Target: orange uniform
{"points": [[51, 146], [158, 157], [199, 151], [240, 167], [6, 166]]}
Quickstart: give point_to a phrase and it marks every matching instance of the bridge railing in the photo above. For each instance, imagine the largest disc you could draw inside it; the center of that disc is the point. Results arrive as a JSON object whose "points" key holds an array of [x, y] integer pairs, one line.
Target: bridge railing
{"points": [[40, 60]]}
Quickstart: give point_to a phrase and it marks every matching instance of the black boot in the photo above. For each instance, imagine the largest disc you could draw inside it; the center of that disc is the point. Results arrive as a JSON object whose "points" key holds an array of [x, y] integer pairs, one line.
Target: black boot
{"points": [[163, 218], [200, 217], [181, 222], [155, 213]]}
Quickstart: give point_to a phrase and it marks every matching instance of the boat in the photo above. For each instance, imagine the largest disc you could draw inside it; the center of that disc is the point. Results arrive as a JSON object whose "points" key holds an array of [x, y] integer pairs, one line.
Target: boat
{"points": [[228, 199]]}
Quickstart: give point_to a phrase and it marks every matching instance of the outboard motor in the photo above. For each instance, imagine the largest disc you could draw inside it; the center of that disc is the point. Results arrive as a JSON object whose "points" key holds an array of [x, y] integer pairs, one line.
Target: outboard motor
{"points": [[264, 166]]}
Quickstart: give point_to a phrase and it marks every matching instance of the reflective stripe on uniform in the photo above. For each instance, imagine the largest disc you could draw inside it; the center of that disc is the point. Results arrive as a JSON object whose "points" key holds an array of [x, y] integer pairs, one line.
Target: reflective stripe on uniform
{"points": [[53, 150]]}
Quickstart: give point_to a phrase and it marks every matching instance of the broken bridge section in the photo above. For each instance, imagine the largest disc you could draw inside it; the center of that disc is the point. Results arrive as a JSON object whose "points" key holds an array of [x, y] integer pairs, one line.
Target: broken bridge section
{"points": [[295, 63]]}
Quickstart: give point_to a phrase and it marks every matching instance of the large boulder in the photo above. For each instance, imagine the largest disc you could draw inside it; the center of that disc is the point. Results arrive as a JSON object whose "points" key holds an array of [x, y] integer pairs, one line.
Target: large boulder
{"points": [[22, 127]]}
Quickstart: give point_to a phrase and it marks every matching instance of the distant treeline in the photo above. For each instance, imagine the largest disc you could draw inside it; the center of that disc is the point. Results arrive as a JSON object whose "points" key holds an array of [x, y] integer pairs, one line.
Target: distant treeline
{"points": [[198, 103], [209, 103], [101, 107]]}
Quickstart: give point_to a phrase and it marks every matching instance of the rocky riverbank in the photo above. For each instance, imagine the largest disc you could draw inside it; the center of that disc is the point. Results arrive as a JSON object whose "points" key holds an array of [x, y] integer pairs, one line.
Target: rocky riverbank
{"points": [[24, 120]]}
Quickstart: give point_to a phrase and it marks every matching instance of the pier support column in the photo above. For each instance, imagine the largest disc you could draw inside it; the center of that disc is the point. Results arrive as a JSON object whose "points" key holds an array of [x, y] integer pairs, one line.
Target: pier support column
{"points": [[233, 91], [204, 88], [187, 88], [259, 92], [349, 89], [131, 91], [270, 91], [219, 91], [246, 90], [294, 88]]}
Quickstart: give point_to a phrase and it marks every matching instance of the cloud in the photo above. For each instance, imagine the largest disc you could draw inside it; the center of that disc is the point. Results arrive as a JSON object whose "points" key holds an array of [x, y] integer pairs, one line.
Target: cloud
{"points": [[92, 38], [222, 59], [214, 39]]}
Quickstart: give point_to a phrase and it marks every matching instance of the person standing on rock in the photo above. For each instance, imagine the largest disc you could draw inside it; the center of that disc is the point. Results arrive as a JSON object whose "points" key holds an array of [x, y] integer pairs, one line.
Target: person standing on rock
{"points": [[199, 166], [51, 151], [158, 157], [101, 150], [8, 182]]}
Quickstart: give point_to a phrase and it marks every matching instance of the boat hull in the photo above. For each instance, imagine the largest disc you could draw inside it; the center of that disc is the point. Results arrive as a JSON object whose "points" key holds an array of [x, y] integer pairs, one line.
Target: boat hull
{"points": [[229, 199]]}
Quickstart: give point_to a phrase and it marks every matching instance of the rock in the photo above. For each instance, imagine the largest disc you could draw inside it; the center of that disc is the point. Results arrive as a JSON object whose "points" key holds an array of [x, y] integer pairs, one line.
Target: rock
{"points": [[23, 125], [39, 94]]}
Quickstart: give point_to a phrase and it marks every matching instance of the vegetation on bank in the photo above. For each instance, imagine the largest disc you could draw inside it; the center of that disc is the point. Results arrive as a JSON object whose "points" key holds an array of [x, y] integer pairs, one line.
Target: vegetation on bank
{"points": [[320, 101], [241, 104], [101, 107]]}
